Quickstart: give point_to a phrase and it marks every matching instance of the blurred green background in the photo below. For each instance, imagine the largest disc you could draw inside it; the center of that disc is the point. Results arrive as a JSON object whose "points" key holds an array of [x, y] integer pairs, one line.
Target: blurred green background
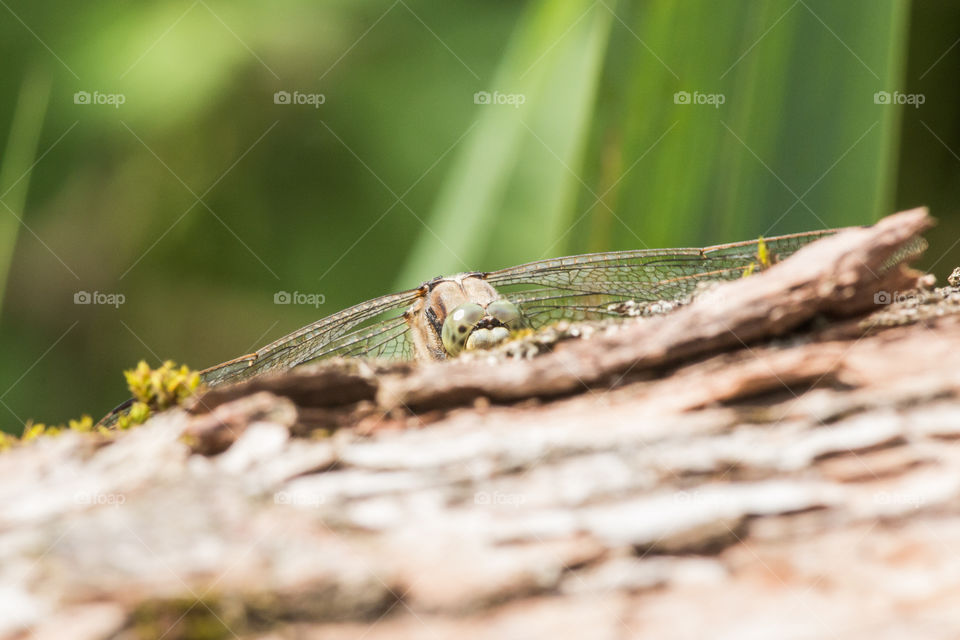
{"points": [[148, 154]]}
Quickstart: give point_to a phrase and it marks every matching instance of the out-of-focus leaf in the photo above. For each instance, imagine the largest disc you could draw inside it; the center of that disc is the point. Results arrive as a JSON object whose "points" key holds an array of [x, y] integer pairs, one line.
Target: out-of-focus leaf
{"points": [[788, 149], [16, 166], [511, 187]]}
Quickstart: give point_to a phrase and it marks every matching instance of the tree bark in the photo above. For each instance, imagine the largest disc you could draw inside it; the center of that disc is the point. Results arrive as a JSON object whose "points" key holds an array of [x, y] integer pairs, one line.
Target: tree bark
{"points": [[779, 458]]}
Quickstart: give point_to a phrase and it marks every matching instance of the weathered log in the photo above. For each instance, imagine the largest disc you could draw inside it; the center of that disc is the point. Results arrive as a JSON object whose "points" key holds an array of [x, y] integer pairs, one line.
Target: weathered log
{"points": [[748, 466]]}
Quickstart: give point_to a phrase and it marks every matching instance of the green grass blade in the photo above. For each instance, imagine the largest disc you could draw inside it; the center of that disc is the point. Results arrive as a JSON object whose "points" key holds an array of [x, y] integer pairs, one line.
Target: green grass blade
{"points": [[789, 150], [16, 166], [512, 186]]}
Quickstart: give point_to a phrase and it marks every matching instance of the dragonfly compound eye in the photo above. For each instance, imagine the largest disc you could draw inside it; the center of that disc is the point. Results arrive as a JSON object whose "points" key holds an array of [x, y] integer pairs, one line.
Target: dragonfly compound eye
{"points": [[506, 312], [458, 325]]}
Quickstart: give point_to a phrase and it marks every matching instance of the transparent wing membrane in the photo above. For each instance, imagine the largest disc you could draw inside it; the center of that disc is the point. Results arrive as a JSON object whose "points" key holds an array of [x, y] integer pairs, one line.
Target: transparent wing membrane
{"points": [[574, 288], [586, 287], [375, 328]]}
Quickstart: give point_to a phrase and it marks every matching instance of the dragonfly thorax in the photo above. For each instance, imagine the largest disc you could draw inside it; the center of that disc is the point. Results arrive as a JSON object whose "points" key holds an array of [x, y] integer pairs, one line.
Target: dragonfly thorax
{"points": [[457, 313]]}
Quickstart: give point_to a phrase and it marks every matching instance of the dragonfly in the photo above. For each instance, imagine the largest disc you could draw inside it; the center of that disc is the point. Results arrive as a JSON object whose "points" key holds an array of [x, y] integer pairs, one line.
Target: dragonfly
{"points": [[474, 311]]}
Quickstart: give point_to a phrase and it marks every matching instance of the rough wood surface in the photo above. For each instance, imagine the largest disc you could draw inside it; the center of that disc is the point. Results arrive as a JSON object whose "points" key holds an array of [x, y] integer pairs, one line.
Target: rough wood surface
{"points": [[780, 459]]}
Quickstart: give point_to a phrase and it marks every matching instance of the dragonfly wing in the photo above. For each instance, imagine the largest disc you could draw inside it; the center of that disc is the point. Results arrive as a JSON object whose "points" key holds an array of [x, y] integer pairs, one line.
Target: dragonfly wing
{"points": [[543, 306], [387, 339], [577, 287], [373, 328], [584, 287]]}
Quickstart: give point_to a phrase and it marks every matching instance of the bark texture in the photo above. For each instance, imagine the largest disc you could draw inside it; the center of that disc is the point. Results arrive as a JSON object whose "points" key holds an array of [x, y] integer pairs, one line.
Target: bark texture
{"points": [[778, 459]]}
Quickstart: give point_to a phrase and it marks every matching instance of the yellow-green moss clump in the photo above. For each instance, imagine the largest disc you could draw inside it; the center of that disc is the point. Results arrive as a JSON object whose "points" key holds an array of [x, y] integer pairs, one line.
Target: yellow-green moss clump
{"points": [[157, 389], [34, 430], [763, 261], [153, 390]]}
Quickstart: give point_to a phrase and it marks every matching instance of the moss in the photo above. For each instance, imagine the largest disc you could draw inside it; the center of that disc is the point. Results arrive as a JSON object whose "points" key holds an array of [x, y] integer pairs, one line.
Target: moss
{"points": [[83, 425], [34, 430], [153, 390], [7, 441], [156, 390], [763, 261], [136, 415], [763, 253], [185, 619]]}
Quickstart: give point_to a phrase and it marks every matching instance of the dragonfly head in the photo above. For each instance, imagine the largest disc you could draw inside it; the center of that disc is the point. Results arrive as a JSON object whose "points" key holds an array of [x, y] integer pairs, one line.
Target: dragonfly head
{"points": [[461, 313], [472, 326]]}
